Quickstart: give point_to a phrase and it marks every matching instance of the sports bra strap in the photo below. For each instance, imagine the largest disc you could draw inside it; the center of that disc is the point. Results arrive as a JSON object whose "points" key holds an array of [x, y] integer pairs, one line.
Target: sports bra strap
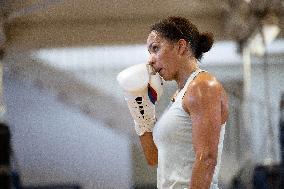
{"points": [[191, 78]]}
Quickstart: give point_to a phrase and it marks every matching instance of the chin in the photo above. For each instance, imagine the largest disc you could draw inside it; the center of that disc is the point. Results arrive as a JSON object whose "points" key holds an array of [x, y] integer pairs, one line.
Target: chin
{"points": [[166, 78]]}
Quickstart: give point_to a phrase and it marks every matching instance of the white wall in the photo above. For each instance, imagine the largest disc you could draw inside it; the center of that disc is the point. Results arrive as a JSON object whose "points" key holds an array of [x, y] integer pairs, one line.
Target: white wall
{"points": [[57, 144]]}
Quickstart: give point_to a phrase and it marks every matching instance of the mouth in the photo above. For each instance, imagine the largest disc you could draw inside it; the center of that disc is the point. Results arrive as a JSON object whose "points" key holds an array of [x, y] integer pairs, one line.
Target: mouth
{"points": [[157, 70]]}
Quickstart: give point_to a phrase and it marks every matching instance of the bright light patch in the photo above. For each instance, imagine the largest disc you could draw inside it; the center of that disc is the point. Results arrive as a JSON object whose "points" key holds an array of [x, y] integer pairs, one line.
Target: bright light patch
{"points": [[77, 58], [118, 56]]}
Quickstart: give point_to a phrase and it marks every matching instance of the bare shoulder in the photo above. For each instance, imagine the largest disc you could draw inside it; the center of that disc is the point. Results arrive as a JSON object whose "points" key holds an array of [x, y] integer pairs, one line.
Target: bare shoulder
{"points": [[204, 85], [206, 93]]}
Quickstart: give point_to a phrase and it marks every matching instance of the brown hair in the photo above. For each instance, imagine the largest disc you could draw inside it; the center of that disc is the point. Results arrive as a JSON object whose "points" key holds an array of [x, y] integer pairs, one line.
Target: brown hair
{"points": [[176, 28]]}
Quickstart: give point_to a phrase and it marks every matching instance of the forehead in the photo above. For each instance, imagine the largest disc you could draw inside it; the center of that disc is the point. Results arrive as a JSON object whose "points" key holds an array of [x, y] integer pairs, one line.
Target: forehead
{"points": [[154, 37]]}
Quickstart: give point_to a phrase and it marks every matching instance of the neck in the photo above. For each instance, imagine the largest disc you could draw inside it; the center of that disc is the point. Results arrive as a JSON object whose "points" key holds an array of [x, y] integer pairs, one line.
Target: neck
{"points": [[185, 71]]}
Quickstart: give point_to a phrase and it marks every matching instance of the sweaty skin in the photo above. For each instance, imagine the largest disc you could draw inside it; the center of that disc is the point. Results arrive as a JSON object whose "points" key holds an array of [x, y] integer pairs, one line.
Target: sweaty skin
{"points": [[205, 101]]}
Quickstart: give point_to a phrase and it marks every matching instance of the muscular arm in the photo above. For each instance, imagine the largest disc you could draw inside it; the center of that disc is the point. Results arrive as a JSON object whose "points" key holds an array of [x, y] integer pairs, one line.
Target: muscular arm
{"points": [[149, 148], [203, 103]]}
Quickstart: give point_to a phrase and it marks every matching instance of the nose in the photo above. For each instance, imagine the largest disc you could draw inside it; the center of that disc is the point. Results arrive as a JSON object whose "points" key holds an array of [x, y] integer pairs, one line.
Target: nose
{"points": [[151, 60], [152, 64]]}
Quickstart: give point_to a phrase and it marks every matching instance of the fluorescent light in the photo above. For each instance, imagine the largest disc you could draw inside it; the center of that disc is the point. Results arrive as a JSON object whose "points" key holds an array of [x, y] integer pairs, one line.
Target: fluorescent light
{"points": [[260, 41], [270, 32], [247, 1]]}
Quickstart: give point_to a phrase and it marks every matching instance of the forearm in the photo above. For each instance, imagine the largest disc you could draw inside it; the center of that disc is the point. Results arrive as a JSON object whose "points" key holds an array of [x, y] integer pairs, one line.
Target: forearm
{"points": [[149, 148], [202, 174]]}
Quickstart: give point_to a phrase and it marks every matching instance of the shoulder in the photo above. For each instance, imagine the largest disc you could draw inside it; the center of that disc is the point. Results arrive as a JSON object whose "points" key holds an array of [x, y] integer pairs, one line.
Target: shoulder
{"points": [[205, 84], [204, 91]]}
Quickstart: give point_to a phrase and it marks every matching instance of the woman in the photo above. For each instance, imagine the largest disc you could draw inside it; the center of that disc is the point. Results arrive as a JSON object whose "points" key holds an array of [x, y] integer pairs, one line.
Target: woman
{"points": [[187, 140]]}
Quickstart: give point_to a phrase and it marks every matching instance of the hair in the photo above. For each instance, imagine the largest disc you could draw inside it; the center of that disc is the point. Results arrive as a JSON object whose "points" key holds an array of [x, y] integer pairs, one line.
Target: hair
{"points": [[175, 28]]}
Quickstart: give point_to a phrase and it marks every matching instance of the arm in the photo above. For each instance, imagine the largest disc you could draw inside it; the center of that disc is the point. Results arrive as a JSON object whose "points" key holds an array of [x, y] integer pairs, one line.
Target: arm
{"points": [[142, 90], [203, 103], [149, 148]]}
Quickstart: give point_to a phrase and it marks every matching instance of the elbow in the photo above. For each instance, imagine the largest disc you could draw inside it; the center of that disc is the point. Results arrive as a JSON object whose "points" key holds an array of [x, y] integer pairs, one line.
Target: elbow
{"points": [[152, 162], [208, 160], [211, 163]]}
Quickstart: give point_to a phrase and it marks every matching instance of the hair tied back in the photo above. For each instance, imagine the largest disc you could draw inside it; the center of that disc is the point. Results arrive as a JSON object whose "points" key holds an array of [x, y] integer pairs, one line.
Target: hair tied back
{"points": [[205, 41]]}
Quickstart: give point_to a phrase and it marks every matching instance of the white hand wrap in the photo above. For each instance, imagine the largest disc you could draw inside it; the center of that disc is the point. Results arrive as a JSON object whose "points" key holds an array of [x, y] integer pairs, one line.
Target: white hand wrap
{"points": [[142, 90]]}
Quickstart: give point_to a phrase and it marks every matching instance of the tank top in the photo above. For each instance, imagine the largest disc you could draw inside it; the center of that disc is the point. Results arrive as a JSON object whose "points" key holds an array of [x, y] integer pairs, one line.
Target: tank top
{"points": [[172, 135]]}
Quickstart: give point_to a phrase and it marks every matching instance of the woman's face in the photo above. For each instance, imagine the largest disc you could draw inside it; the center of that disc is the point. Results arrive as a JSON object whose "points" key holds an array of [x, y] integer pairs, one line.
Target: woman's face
{"points": [[163, 56]]}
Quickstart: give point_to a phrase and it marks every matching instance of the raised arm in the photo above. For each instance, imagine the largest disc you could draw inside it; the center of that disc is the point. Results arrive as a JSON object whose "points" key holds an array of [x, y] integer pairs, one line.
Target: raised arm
{"points": [[142, 89]]}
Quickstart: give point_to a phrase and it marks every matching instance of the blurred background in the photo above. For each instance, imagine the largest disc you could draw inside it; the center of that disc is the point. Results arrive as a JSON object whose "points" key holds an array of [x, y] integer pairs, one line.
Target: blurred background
{"points": [[64, 113]]}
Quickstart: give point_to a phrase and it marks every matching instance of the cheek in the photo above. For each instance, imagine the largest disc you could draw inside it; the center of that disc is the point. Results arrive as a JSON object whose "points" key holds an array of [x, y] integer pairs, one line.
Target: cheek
{"points": [[164, 58], [168, 61]]}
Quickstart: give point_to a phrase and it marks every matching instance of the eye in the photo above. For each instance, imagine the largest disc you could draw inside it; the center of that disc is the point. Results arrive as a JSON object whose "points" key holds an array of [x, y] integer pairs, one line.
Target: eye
{"points": [[155, 48]]}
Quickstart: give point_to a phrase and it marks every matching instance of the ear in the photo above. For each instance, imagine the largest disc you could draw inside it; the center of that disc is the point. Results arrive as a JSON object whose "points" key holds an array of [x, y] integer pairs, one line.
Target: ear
{"points": [[182, 46]]}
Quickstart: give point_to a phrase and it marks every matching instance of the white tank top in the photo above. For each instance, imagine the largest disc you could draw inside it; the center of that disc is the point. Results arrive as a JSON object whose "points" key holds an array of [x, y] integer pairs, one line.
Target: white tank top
{"points": [[173, 137]]}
